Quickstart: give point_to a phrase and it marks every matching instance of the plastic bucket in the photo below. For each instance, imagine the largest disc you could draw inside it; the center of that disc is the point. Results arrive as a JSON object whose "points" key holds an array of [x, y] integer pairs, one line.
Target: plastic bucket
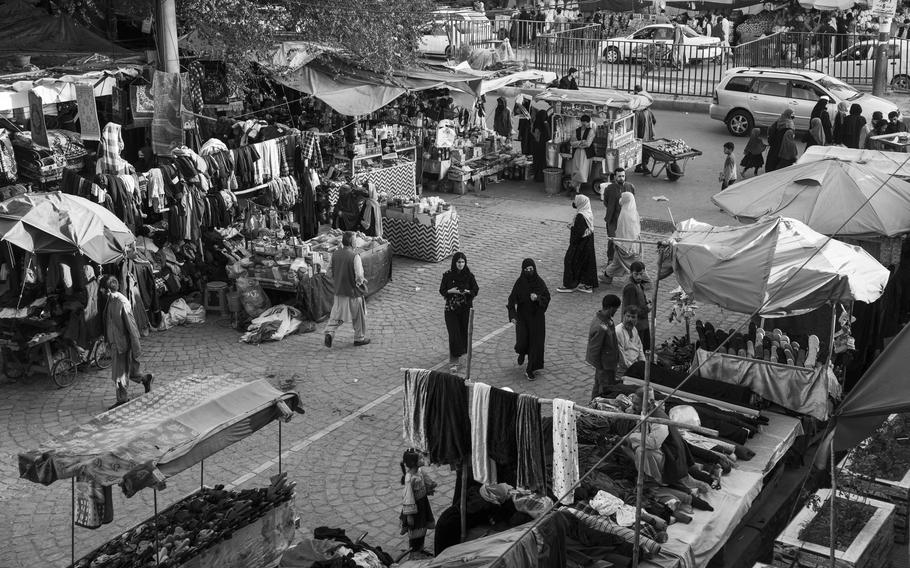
{"points": [[552, 180], [552, 154]]}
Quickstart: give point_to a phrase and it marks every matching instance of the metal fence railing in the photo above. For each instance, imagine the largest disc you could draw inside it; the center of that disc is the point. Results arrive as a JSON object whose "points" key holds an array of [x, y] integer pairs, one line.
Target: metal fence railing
{"points": [[848, 57]]}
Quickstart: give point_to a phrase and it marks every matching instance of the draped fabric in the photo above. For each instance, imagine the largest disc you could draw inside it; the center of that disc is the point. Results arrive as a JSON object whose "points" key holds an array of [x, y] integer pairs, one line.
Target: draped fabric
{"points": [[565, 451], [415, 406], [531, 461], [447, 421], [484, 469]]}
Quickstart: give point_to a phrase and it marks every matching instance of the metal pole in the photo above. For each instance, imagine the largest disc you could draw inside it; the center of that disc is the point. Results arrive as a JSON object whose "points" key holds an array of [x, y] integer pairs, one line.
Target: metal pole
{"points": [[155, 503], [279, 446], [832, 551], [880, 76], [467, 374], [201, 474], [73, 524], [640, 482]]}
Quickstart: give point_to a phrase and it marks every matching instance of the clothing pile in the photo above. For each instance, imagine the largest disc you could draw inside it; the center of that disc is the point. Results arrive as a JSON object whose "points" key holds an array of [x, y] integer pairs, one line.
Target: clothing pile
{"points": [[331, 548]]}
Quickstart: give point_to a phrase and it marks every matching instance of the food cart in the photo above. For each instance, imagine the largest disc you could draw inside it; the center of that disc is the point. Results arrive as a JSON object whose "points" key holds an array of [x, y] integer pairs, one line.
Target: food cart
{"points": [[612, 115], [670, 156]]}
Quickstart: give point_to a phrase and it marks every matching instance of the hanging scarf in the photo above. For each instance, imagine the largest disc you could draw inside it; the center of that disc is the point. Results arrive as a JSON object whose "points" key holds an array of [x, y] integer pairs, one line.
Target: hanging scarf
{"points": [[414, 408], [531, 474], [583, 206], [110, 161], [755, 145], [484, 469], [565, 451]]}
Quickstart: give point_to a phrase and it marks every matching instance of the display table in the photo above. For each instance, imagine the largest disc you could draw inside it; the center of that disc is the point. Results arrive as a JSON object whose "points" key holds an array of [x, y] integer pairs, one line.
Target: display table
{"points": [[429, 242], [395, 181]]}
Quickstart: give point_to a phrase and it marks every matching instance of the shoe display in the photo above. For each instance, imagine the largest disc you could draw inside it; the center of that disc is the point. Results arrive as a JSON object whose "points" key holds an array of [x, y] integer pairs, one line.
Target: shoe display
{"points": [[328, 340], [364, 341]]}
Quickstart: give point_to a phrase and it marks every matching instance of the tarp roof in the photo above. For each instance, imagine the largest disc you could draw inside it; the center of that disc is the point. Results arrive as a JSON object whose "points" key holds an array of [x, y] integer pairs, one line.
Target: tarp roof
{"points": [[353, 91], [27, 31], [770, 265], [605, 97], [883, 389], [885, 163], [824, 195], [60, 89], [160, 433]]}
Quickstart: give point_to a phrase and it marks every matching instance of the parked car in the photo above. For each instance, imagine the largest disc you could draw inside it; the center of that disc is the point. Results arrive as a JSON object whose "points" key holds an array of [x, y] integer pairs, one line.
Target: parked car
{"points": [[452, 28], [856, 64], [626, 48], [748, 96]]}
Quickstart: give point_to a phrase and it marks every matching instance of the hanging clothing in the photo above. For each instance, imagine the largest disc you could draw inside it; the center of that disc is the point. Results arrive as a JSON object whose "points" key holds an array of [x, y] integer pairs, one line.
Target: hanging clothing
{"points": [[109, 160], [502, 434], [415, 407], [580, 261], [447, 421], [306, 206], [502, 119], [484, 469], [540, 135], [565, 451], [531, 462], [529, 315]]}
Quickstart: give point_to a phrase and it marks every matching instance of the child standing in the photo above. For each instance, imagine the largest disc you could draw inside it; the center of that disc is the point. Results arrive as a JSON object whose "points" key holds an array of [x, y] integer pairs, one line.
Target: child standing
{"points": [[416, 515], [752, 155], [727, 176]]}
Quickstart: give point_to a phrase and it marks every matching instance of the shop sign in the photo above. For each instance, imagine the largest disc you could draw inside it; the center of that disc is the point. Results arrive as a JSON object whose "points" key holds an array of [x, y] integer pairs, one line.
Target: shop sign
{"points": [[883, 8], [89, 126], [36, 113]]}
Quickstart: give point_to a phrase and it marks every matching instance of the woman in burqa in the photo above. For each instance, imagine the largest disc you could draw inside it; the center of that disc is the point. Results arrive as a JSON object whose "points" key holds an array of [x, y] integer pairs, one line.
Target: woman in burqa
{"points": [[527, 310], [580, 262], [789, 151], [458, 287], [540, 135], [628, 228], [502, 119], [853, 127], [370, 223], [838, 130], [776, 137]]}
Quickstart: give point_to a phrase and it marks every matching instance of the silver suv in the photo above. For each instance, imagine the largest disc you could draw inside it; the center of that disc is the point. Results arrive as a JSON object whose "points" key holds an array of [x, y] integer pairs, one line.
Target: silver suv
{"points": [[750, 96]]}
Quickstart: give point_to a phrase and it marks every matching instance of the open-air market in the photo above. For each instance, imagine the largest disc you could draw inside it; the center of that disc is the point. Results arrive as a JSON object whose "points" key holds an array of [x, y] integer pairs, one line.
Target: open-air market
{"points": [[426, 284]]}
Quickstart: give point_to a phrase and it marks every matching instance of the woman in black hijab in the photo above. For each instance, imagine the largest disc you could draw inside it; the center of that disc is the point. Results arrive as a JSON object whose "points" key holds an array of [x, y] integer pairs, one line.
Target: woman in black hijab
{"points": [[458, 287], [527, 308], [540, 135], [853, 126]]}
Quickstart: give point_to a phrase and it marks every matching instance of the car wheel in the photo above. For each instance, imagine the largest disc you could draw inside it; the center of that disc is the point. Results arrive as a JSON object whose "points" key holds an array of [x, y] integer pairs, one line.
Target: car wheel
{"points": [[611, 54], [448, 52], [901, 82], [739, 122]]}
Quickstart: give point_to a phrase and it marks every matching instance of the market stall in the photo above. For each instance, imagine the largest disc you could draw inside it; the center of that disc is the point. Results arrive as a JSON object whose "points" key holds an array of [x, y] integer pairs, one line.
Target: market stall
{"points": [[424, 230], [49, 316], [156, 436], [613, 117]]}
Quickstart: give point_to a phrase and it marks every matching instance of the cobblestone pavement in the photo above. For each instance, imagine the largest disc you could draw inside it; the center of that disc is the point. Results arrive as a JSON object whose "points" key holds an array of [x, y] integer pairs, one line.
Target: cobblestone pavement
{"points": [[343, 456]]}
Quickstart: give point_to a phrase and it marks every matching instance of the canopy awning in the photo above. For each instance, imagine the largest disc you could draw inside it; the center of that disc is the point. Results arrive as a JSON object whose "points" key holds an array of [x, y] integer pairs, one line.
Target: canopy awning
{"points": [[885, 163], [27, 31], [605, 97], [771, 266], [159, 434], [61, 89], [353, 91], [825, 195]]}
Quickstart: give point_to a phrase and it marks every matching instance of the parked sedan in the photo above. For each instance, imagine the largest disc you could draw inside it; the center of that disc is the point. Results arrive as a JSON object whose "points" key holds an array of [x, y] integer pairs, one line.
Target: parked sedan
{"points": [[856, 64], [627, 48]]}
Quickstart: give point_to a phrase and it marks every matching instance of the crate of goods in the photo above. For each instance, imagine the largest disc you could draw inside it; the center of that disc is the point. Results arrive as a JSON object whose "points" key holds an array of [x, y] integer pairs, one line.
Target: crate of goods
{"points": [[406, 213]]}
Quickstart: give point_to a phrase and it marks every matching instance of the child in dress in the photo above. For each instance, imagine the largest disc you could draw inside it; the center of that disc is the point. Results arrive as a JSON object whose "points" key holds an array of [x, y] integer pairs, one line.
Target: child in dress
{"points": [[727, 175], [416, 515], [752, 155]]}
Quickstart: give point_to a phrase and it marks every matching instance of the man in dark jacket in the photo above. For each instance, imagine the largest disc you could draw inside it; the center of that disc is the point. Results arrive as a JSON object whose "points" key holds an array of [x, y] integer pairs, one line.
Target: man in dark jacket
{"points": [[821, 112], [603, 348], [610, 198], [634, 294], [347, 276], [568, 80], [122, 335]]}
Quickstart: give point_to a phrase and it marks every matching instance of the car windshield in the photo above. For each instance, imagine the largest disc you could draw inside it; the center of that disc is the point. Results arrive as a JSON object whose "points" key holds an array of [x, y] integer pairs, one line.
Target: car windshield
{"points": [[842, 90]]}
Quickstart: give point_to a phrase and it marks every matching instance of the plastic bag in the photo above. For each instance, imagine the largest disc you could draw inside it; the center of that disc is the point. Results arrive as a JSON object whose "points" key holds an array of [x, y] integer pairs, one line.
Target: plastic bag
{"points": [[196, 314], [252, 297]]}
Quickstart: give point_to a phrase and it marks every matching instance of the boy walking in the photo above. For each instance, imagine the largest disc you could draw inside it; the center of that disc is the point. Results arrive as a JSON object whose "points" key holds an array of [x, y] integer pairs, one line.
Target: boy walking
{"points": [[728, 173], [602, 352]]}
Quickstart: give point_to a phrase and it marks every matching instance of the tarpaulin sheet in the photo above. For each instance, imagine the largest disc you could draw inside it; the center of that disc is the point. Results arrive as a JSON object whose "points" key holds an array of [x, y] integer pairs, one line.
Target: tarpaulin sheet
{"points": [[887, 163], [171, 428], [38, 33], [772, 266], [882, 390], [832, 197], [605, 97], [353, 91], [794, 388]]}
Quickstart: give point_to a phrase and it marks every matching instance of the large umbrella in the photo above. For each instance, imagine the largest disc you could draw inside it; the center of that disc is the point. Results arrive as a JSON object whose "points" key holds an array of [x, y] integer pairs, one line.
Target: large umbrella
{"points": [[823, 195], [772, 265], [59, 222], [828, 5]]}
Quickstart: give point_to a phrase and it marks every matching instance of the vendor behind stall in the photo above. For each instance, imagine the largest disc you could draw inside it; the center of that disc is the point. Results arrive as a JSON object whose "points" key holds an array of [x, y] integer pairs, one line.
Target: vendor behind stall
{"points": [[370, 222], [582, 152]]}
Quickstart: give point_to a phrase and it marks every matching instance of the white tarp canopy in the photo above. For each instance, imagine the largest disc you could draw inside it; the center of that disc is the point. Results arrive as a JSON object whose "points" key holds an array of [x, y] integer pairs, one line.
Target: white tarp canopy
{"points": [[54, 90], [887, 163], [824, 195], [769, 265]]}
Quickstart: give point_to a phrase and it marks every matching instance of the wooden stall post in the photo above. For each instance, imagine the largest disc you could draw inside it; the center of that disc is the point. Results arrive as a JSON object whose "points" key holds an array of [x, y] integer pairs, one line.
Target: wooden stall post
{"points": [[470, 354], [463, 499], [832, 552], [155, 503], [73, 524], [640, 482]]}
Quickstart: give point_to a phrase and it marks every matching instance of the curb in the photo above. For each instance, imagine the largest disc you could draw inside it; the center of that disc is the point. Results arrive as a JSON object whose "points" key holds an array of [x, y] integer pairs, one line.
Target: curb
{"points": [[682, 105]]}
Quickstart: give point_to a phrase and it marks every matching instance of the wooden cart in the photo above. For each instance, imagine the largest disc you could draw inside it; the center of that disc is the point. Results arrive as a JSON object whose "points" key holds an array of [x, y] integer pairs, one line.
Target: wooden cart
{"points": [[38, 356], [673, 164]]}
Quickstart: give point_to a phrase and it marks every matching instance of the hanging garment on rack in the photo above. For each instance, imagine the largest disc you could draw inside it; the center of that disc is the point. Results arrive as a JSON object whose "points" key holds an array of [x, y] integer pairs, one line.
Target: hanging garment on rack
{"points": [[565, 450], [245, 159], [284, 192], [109, 159], [415, 408], [155, 187], [271, 160], [8, 171], [531, 460], [447, 421], [501, 429], [484, 469], [306, 211], [122, 200], [308, 149]]}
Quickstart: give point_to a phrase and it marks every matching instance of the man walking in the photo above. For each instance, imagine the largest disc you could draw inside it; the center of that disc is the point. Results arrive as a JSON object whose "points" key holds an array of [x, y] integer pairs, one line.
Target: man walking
{"points": [[603, 349], [123, 337], [634, 295], [611, 202], [347, 274]]}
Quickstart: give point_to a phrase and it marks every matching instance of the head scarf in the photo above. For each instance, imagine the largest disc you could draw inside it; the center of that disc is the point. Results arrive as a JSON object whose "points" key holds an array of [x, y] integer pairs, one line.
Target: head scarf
{"points": [[786, 120], [528, 283], [842, 107], [110, 161], [372, 211], [816, 131], [459, 278], [583, 205], [755, 145], [788, 150]]}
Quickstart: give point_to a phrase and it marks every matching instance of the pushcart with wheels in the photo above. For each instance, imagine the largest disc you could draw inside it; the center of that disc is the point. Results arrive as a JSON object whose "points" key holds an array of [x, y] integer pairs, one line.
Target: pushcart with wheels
{"points": [[42, 354], [669, 156]]}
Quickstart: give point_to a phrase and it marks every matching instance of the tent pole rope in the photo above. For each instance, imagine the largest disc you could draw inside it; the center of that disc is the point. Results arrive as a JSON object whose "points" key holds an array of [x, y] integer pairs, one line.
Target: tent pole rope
{"points": [[692, 372], [640, 481]]}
